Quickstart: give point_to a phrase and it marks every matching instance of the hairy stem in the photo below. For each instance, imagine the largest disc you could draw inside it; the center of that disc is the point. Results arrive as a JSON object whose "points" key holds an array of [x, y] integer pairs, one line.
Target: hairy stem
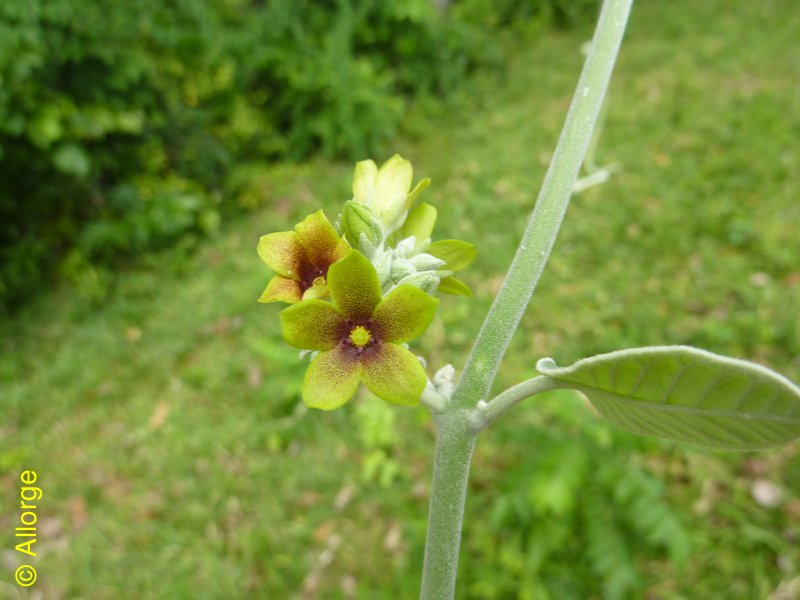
{"points": [[488, 413], [455, 435], [455, 442], [433, 400], [545, 221]]}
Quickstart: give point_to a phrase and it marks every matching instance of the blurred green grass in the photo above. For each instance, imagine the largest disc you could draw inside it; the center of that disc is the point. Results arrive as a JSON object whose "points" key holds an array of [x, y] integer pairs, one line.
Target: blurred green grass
{"points": [[176, 458]]}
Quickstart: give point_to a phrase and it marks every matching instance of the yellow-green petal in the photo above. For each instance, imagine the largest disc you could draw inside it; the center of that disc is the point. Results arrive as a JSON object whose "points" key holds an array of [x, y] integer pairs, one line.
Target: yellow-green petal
{"points": [[282, 252], [417, 191], [393, 374], [331, 379], [282, 289], [404, 314], [312, 325], [318, 238], [364, 181], [341, 250], [391, 189], [419, 223], [354, 286]]}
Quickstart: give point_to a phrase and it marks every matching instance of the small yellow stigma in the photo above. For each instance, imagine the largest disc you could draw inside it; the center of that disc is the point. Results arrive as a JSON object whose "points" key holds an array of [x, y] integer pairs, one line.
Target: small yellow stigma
{"points": [[319, 281], [360, 336]]}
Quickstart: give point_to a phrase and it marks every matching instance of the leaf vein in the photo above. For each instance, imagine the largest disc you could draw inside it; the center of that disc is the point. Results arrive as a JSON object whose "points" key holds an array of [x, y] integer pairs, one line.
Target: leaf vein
{"points": [[676, 408], [676, 379], [642, 374], [707, 391], [748, 391]]}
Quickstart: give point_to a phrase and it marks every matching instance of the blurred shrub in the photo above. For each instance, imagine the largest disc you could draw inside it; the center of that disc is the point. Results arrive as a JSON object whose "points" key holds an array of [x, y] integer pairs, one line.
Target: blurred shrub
{"points": [[94, 121], [125, 126], [521, 13]]}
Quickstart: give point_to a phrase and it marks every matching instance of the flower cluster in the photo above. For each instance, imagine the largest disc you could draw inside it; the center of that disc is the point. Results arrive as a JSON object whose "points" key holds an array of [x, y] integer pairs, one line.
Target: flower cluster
{"points": [[360, 290]]}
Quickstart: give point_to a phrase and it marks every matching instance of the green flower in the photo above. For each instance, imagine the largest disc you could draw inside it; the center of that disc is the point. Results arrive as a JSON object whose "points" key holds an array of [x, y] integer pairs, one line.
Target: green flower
{"points": [[359, 337], [301, 259], [387, 191]]}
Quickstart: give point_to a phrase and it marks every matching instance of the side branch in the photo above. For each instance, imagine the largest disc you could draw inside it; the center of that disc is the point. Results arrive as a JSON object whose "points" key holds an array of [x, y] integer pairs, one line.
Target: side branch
{"points": [[487, 413]]}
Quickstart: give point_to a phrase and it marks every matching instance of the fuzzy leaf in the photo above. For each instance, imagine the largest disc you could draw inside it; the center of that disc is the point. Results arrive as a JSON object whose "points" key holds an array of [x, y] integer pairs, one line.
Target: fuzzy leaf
{"points": [[685, 394]]}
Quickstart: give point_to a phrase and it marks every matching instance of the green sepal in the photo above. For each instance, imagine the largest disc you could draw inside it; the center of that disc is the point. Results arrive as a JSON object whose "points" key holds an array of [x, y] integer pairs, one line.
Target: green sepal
{"points": [[454, 286], [457, 254]]}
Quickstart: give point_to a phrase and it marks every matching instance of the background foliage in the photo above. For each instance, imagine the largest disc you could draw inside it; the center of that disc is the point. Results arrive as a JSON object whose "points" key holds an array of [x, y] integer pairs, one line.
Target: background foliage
{"points": [[124, 128], [177, 459]]}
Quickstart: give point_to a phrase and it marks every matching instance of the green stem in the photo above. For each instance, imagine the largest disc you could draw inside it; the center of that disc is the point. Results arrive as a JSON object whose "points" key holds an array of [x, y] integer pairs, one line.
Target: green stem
{"points": [[433, 400], [456, 430], [545, 221], [455, 442], [488, 413]]}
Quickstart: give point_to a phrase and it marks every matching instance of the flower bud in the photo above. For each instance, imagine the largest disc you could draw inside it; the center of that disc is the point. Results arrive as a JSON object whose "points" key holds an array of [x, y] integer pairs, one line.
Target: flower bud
{"points": [[401, 268], [383, 266], [406, 247], [387, 191], [426, 262], [427, 281], [358, 220]]}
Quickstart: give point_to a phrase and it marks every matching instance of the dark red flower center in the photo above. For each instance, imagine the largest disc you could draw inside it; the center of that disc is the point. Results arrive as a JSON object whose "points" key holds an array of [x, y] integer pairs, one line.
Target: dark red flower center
{"points": [[312, 276], [360, 338]]}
